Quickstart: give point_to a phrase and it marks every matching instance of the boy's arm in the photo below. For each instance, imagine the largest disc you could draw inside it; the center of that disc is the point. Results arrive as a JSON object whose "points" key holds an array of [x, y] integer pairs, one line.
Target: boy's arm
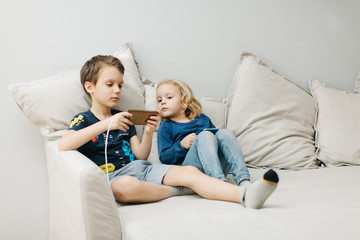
{"points": [[74, 139], [142, 149]]}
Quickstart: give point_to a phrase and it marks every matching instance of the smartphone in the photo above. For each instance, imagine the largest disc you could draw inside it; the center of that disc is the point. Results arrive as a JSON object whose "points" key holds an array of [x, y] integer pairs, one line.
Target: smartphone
{"points": [[139, 117], [213, 130]]}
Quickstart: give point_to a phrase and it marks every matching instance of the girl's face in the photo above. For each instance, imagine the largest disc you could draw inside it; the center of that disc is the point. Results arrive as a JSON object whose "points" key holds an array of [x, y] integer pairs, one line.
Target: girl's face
{"points": [[169, 102], [107, 91]]}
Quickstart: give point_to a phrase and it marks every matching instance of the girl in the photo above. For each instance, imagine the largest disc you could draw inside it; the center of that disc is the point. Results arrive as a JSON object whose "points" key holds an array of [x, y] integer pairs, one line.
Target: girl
{"points": [[186, 136]]}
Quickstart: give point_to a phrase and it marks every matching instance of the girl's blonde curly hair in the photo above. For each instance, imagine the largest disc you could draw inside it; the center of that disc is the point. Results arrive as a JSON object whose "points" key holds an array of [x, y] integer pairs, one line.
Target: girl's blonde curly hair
{"points": [[189, 102]]}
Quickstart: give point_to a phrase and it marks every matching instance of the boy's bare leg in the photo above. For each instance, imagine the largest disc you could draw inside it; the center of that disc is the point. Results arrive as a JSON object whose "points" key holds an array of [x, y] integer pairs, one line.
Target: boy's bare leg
{"points": [[131, 190], [205, 186], [128, 189]]}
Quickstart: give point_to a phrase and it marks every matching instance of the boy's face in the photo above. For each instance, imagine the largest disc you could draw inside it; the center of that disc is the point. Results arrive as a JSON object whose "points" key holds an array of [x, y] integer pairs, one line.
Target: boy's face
{"points": [[107, 91], [169, 102]]}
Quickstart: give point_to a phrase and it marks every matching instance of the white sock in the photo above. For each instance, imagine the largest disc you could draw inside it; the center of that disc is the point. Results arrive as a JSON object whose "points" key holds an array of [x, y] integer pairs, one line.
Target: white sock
{"points": [[244, 183], [178, 191], [254, 195]]}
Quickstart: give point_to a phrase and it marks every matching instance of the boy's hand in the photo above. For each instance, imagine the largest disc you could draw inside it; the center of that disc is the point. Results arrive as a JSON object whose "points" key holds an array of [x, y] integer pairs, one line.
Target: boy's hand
{"points": [[119, 121], [152, 124], [188, 141]]}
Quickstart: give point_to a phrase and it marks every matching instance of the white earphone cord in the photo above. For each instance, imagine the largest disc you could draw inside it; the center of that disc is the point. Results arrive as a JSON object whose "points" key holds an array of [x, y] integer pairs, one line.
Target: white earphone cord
{"points": [[106, 143]]}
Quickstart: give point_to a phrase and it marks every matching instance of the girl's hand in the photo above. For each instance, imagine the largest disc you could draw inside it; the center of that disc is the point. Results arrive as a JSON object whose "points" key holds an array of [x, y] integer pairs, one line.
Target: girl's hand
{"points": [[152, 124], [188, 141], [119, 121]]}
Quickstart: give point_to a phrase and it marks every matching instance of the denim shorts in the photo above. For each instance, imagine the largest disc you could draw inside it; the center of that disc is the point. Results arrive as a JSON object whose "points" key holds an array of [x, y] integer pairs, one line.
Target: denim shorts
{"points": [[142, 170]]}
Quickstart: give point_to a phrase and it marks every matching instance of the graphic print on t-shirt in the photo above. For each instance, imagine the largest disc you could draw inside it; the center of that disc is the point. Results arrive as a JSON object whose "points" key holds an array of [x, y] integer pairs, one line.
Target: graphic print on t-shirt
{"points": [[127, 150], [76, 121], [119, 152]]}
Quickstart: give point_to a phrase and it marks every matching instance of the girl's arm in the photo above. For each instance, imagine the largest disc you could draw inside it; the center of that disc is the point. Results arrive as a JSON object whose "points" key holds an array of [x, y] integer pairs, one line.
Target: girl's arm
{"points": [[142, 149], [187, 141], [169, 152]]}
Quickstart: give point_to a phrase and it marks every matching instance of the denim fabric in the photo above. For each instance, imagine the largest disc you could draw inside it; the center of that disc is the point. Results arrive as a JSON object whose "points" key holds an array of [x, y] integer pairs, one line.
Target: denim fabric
{"points": [[216, 154]]}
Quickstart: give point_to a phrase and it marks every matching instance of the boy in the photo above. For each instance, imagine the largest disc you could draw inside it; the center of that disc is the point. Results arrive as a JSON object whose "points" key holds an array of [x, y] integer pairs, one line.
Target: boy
{"points": [[139, 181]]}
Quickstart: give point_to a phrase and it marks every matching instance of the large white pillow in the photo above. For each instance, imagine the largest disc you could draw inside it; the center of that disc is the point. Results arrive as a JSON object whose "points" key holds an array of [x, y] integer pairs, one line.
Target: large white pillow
{"points": [[52, 102], [271, 117], [337, 124], [150, 95]]}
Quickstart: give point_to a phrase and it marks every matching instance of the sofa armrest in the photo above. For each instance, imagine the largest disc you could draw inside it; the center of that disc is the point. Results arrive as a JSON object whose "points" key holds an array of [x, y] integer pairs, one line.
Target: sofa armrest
{"points": [[81, 203]]}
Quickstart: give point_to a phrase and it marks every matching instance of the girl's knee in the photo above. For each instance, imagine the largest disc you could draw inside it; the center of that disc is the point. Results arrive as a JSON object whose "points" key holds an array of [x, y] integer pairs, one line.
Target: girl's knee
{"points": [[205, 133], [224, 133], [206, 136]]}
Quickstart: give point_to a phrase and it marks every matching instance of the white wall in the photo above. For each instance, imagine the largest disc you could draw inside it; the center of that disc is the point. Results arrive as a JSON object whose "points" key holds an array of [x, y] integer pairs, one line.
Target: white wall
{"points": [[196, 41]]}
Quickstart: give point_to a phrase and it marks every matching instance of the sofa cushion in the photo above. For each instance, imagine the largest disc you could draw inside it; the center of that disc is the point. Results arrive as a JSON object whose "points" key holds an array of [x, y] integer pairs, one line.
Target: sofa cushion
{"points": [[52, 102], [271, 117], [309, 204], [337, 125]]}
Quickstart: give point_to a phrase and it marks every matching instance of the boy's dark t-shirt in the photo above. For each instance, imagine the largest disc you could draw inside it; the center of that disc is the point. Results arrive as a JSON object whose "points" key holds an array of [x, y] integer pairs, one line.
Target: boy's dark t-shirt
{"points": [[119, 152]]}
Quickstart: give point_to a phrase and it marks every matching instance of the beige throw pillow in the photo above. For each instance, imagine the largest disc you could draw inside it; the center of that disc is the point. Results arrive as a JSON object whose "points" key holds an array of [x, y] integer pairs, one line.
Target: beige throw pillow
{"points": [[271, 117], [337, 124], [215, 109]]}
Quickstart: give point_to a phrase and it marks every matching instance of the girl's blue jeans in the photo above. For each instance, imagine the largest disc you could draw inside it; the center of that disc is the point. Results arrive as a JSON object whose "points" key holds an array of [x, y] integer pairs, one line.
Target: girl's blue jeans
{"points": [[216, 154]]}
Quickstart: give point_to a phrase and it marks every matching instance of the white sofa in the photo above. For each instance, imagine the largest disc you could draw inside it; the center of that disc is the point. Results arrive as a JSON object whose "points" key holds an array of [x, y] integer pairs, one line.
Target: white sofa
{"points": [[278, 125]]}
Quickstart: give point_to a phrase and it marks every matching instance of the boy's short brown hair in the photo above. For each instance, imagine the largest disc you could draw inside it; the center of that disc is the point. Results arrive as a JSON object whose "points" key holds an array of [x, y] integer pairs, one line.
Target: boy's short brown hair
{"points": [[90, 71]]}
